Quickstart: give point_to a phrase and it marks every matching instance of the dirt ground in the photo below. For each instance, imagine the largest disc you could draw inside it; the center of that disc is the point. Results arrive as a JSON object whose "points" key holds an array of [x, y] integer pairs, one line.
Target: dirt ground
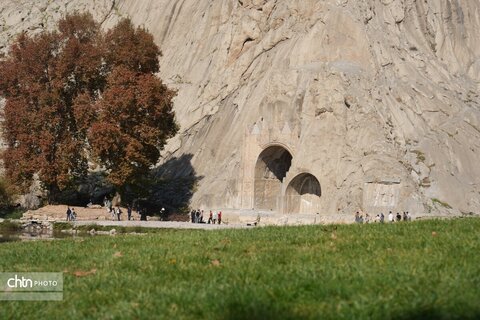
{"points": [[59, 212]]}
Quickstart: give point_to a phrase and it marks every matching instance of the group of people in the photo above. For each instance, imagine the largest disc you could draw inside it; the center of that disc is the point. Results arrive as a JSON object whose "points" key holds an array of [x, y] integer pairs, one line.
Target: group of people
{"points": [[359, 218], [71, 214], [115, 212], [213, 217]]}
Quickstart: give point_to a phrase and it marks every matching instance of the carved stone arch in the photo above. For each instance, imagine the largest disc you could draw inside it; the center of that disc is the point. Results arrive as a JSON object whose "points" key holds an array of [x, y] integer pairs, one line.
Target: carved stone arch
{"points": [[278, 144], [303, 194], [272, 166]]}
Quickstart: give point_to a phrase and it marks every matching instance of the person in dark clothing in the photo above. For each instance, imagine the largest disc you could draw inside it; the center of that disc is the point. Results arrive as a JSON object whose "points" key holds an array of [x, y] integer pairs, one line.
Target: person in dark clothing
{"points": [[69, 214], [119, 212], [143, 214], [129, 213], [197, 216], [210, 217], [399, 216], [192, 215]]}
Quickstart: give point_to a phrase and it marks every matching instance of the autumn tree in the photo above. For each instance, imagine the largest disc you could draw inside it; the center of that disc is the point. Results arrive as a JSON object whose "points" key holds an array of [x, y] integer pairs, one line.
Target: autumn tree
{"points": [[79, 94]]}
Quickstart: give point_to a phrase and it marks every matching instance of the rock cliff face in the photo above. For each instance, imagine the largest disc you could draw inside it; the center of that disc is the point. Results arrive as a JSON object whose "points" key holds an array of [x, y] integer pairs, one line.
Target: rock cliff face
{"points": [[312, 106]]}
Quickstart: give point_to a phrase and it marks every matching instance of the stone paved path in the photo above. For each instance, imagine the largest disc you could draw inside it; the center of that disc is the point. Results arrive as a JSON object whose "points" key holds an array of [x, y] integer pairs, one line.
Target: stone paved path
{"points": [[163, 224]]}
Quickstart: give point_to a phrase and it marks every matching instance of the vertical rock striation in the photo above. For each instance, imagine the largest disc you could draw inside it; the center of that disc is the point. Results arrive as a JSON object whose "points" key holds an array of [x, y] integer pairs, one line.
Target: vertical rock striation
{"points": [[377, 100]]}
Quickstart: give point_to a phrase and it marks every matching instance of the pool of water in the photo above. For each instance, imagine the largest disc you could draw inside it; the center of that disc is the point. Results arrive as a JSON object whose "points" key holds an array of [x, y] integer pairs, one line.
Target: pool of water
{"points": [[22, 235], [44, 230]]}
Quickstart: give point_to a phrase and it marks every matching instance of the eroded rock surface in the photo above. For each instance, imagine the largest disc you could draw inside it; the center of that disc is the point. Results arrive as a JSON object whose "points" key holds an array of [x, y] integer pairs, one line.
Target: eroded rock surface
{"points": [[378, 100]]}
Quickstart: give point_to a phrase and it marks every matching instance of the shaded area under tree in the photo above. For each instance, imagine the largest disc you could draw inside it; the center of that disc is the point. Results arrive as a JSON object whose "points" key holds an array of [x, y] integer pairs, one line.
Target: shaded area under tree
{"points": [[170, 185]]}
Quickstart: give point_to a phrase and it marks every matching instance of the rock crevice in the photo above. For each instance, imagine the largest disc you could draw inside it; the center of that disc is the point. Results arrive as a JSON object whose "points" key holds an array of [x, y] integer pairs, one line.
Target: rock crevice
{"points": [[368, 91]]}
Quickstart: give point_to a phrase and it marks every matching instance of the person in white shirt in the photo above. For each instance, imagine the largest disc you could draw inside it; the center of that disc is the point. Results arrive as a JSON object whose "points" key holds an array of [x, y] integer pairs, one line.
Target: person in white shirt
{"points": [[390, 217]]}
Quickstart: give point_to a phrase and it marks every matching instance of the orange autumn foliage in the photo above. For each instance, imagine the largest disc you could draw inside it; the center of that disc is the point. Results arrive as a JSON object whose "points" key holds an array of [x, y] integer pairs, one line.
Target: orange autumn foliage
{"points": [[80, 94]]}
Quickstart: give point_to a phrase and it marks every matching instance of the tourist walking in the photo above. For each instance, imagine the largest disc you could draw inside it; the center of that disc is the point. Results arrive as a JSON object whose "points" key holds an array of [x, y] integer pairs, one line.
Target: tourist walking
{"points": [[399, 216], [73, 215], [210, 217], [382, 217], [219, 217], [390, 217], [192, 216], [162, 214], [69, 212], [143, 214], [129, 212], [119, 212], [215, 217]]}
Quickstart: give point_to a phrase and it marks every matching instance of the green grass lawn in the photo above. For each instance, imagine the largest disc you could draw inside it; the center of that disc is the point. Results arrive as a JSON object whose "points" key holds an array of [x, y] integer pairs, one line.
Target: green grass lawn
{"points": [[418, 270]]}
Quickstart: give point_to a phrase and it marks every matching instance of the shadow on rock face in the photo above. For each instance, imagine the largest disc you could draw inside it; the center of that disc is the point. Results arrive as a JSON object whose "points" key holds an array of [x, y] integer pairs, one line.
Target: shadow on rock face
{"points": [[170, 186]]}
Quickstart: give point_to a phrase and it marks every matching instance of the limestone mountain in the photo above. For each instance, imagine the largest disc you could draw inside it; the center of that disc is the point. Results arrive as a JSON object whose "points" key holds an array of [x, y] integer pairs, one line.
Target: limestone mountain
{"points": [[325, 106]]}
